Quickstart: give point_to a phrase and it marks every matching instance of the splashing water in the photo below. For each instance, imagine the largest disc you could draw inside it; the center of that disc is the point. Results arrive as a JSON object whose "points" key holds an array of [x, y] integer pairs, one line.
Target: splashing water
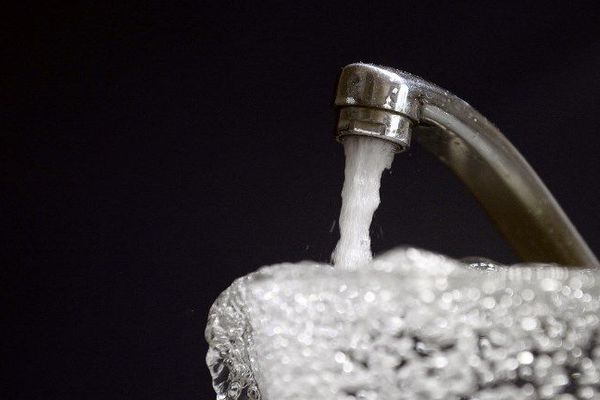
{"points": [[366, 158], [411, 325]]}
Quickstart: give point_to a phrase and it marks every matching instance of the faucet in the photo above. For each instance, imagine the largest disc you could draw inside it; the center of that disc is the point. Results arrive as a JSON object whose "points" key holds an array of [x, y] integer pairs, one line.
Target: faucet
{"points": [[388, 104], [413, 324]]}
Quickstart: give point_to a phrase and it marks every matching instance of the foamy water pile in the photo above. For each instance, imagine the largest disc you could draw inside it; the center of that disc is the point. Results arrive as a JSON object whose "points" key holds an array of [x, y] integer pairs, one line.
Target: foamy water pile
{"points": [[366, 159], [411, 325]]}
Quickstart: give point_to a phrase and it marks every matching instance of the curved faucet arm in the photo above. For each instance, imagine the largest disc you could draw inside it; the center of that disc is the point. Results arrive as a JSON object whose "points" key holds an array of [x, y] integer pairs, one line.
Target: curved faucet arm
{"points": [[392, 105]]}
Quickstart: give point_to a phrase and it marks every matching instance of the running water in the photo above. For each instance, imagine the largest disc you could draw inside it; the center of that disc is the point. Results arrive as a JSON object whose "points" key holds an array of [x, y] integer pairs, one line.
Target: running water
{"points": [[366, 158]]}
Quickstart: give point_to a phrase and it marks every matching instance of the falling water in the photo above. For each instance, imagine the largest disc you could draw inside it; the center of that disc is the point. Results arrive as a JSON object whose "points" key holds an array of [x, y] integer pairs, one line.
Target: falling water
{"points": [[366, 158]]}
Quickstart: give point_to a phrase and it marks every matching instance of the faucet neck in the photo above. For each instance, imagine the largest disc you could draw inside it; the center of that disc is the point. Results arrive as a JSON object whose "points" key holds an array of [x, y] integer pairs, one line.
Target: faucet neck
{"points": [[392, 105]]}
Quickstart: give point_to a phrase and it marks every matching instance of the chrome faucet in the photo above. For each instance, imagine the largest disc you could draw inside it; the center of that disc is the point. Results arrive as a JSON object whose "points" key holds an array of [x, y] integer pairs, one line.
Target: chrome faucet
{"points": [[392, 105]]}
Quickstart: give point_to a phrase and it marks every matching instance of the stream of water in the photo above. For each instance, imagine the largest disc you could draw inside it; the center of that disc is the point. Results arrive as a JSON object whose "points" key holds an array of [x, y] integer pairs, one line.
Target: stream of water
{"points": [[366, 159]]}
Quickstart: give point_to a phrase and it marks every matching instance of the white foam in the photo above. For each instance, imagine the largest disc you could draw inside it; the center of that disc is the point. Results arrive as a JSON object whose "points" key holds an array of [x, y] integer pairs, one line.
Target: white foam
{"points": [[366, 159], [409, 325]]}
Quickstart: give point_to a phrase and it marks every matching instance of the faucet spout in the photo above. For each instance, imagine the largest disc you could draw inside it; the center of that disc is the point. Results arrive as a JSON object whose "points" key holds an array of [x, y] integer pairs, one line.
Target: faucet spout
{"points": [[392, 105]]}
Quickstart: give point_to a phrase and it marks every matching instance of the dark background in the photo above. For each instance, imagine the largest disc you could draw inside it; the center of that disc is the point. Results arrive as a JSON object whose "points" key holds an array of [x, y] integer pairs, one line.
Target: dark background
{"points": [[152, 154]]}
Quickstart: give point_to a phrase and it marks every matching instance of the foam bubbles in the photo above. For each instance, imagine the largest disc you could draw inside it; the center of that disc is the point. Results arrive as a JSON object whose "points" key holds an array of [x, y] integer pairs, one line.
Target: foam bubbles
{"points": [[409, 325]]}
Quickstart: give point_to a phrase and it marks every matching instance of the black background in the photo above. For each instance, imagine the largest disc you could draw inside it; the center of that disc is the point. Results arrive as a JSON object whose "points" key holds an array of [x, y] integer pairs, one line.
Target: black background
{"points": [[154, 153]]}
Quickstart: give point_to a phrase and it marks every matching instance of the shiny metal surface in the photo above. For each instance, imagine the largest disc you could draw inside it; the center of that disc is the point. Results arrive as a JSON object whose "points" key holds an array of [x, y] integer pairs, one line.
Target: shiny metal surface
{"points": [[393, 105]]}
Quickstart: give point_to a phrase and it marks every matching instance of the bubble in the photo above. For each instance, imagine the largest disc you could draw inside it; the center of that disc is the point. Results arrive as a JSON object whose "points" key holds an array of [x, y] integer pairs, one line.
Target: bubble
{"points": [[525, 357]]}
